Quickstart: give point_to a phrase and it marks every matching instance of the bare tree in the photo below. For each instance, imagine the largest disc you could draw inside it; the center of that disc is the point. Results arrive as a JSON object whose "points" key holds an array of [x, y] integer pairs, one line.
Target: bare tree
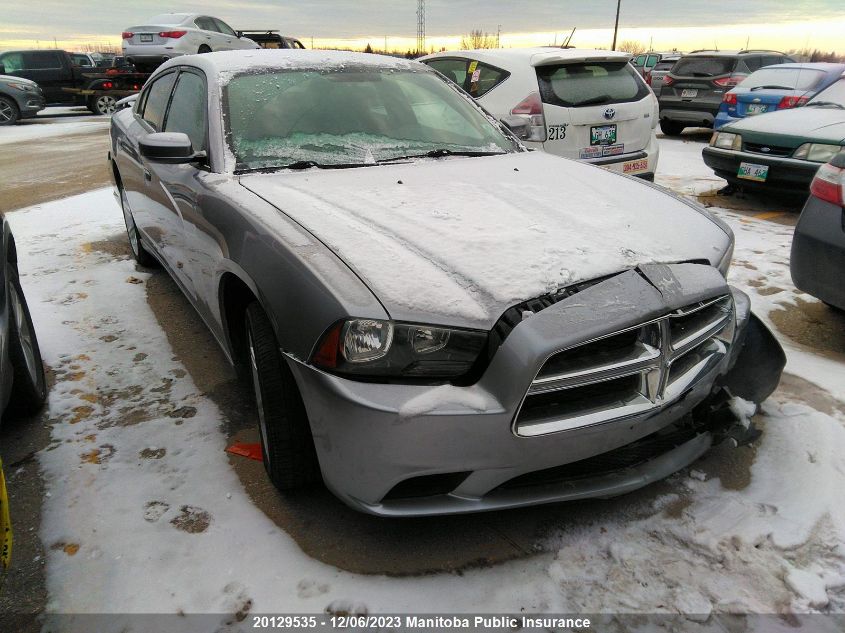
{"points": [[632, 46], [478, 39]]}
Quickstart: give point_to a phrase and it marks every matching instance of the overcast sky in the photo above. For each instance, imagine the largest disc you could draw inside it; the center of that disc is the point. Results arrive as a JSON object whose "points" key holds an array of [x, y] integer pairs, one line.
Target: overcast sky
{"points": [[339, 19]]}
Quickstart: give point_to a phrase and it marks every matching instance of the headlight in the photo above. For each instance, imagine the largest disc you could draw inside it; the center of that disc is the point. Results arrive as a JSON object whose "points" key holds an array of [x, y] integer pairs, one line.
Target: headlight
{"points": [[816, 152], [726, 140], [378, 348], [22, 87]]}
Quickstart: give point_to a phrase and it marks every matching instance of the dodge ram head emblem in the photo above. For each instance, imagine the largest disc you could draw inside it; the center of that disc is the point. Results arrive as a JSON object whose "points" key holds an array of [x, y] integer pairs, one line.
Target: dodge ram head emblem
{"points": [[609, 113]]}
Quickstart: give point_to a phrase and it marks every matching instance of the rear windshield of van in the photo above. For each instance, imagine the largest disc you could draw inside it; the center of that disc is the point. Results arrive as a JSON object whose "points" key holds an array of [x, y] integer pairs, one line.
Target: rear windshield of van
{"points": [[704, 66], [590, 83]]}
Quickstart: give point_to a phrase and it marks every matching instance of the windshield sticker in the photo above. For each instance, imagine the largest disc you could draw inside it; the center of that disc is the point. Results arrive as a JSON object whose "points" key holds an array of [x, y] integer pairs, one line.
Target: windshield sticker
{"points": [[472, 66], [475, 75]]}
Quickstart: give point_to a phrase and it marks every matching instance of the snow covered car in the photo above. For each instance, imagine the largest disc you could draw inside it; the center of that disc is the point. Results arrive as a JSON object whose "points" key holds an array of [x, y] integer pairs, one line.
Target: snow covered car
{"points": [[173, 34], [23, 387], [591, 105], [434, 319]]}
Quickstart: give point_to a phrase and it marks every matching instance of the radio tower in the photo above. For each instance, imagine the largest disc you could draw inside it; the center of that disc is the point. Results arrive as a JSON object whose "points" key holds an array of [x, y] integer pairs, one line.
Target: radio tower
{"points": [[420, 27]]}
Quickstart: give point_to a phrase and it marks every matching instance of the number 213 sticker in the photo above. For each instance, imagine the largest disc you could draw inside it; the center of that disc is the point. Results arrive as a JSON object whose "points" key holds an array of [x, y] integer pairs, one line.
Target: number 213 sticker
{"points": [[557, 132]]}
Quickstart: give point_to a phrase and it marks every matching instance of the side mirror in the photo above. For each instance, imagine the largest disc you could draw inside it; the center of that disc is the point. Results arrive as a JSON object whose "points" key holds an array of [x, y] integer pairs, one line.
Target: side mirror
{"points": [[173, 148], [518, 125]]}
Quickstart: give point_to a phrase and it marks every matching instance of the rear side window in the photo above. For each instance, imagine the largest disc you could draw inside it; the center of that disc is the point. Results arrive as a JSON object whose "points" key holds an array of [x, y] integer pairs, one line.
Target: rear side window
{"points": [[12, 61], [704, 66], [590, 83], [41, 60], [771, 60], [223, 27], [453, 69], [206, 24], [187, 109], [483, 78], [155, 101]]}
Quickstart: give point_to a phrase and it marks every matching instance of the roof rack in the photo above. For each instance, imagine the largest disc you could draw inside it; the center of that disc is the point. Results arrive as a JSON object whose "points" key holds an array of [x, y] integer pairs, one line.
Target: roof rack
{"points": [[759, 50], [705, 50], [258, 30]]}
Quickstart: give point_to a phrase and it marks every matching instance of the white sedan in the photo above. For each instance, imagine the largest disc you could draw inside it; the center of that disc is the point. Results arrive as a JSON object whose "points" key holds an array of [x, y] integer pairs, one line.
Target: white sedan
{"points": [[173, 34]]}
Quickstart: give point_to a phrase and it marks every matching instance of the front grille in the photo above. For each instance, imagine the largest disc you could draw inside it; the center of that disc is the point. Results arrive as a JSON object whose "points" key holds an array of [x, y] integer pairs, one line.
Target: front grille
{"points": [[627, 373], [767, 150]]}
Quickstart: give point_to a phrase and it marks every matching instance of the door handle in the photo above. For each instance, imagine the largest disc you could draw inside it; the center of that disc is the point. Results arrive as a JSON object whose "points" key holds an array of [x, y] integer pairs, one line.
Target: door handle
{"points": [[148, 175]]}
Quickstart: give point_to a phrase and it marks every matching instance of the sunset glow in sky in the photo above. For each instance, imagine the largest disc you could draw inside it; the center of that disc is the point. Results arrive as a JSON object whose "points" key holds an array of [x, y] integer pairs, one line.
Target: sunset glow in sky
{"points": [[667, 24]]}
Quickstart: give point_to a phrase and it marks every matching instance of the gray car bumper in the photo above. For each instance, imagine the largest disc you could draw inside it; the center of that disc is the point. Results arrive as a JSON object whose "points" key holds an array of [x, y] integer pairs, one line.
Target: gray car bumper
{"points": [[462, 443]]}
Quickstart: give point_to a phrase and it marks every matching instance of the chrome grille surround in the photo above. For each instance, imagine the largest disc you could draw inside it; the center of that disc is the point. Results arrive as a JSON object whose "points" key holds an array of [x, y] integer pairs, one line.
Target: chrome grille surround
{"points": [[628, 372]]}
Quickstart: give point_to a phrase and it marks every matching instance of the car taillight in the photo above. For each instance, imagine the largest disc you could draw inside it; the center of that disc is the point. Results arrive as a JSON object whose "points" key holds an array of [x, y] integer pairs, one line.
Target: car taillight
{"points": [[107, 85], [532, 109], [127, 35], [729, 98], [667, 80], [791, 102], [175, 35], [733, 80], [648, 79], [828, 184]]}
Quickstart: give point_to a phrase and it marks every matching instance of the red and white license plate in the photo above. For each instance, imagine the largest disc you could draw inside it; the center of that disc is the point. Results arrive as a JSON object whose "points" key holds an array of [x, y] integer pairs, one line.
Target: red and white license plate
{"points": [[635, 166]]}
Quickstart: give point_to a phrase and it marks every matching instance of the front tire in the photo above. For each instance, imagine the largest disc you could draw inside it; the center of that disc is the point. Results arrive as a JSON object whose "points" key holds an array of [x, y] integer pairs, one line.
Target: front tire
{"points": [[671, 128], [9, 113], [29, 385], [141, 255], [287, 445]]}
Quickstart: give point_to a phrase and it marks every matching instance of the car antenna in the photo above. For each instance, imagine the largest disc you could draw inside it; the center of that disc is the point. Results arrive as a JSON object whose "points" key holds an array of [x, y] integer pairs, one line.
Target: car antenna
{"points": [[569, 39]]}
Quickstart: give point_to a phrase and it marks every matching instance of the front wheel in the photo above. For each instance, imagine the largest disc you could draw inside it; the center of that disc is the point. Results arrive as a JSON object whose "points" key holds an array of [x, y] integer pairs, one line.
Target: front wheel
{"points": [[287, 445], [9, 113], [29, 386], [141, 255], [104, 104], [671, 128]]}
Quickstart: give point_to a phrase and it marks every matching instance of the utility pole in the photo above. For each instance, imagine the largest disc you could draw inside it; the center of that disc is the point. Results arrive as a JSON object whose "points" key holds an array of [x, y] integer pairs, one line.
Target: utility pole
{"points": [[616, 26], [421, 27], [499, 37]]}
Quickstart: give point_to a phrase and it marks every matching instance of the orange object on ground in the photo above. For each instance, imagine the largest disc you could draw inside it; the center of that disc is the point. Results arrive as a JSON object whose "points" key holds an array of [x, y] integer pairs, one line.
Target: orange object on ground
{"points": [[253, 451]]}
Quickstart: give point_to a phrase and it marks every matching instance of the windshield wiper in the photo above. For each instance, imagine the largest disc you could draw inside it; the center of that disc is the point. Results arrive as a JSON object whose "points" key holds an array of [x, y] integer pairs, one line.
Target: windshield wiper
{"points": [[440, 153], [771, 88], [301, 164], [824, 104]]}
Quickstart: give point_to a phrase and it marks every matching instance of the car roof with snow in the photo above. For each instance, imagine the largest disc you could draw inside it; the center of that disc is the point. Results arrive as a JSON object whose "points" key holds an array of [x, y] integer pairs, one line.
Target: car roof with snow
{"points": [[235, 62], [509, 58]]}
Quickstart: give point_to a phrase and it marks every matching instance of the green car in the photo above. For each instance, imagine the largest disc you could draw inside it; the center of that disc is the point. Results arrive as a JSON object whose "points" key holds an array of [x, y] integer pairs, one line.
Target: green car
{"points": [[781, 151]]}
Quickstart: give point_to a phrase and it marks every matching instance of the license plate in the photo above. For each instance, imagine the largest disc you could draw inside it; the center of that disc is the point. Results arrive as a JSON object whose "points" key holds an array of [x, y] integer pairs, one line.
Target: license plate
{"points": [[689, 93], [755, 108], [603, 134], [750, 171], [635, 166], [146, 37]]}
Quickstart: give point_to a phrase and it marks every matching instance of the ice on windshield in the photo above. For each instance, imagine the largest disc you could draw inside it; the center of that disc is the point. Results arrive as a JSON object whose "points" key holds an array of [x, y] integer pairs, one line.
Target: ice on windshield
{"points": [[350, 116]]}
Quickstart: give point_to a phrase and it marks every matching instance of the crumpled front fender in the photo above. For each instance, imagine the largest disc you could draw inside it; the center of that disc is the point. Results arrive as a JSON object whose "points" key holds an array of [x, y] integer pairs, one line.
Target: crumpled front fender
{"points": [[759, 363]]}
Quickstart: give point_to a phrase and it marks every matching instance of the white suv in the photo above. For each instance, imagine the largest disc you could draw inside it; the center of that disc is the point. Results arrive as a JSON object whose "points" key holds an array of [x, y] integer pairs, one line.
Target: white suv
{"points": [[589, 105]]}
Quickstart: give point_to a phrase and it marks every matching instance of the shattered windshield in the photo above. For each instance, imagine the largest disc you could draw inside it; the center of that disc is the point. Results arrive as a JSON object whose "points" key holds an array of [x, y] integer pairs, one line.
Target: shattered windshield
{"points": [[351, 117]]}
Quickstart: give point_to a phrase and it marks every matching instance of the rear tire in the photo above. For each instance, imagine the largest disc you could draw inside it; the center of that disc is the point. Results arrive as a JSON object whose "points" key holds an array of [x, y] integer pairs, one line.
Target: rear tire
{"points": [[141, 255], [204, 49], [671, 128], [104, 104], [29, 385], [9, 113], [287, 445]]}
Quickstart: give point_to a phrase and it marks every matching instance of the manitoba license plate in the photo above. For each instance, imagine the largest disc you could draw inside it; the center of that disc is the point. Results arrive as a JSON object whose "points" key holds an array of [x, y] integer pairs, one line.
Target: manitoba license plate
{"points": [[146, 37], [689, 94], [603, 134], [750, 171]]}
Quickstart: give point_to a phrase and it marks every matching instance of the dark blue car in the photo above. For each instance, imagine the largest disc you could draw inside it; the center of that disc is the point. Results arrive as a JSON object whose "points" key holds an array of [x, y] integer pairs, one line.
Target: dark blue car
{"points": [[776, 88]]}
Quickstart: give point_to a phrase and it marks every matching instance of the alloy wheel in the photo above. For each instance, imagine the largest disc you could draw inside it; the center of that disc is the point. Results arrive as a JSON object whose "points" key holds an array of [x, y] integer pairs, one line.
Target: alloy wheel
{"points": [[6, 112], [106, 104], [24, 333]]}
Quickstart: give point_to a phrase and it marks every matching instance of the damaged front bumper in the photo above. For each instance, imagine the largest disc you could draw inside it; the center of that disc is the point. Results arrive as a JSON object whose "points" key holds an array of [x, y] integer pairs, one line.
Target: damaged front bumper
{"points": [[554, 417]]}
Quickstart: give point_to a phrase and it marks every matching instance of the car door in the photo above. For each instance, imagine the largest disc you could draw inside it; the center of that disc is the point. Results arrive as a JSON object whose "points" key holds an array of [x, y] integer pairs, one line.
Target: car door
{"points": [[229, 40], [147, 201], [594, 108], [209, 35]]}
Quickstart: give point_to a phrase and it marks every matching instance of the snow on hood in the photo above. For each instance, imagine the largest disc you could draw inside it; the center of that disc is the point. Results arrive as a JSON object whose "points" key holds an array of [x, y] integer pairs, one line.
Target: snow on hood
{"points": [[19, 80], [824, 123], [457, 241]]}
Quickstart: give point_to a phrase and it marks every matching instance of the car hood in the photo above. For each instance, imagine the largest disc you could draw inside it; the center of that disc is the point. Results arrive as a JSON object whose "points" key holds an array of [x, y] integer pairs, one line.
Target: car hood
{"points": [[457, 241], [19, 80], [814, 123]]}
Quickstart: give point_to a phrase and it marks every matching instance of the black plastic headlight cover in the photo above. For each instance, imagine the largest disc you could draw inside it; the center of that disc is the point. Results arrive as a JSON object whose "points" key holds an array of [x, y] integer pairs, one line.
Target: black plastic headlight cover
{"points": [[411, 351]]}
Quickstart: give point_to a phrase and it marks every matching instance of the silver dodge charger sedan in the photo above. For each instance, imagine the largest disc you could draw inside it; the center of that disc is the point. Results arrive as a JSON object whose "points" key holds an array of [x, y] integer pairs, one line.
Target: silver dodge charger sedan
{"points": [[434, 319]]}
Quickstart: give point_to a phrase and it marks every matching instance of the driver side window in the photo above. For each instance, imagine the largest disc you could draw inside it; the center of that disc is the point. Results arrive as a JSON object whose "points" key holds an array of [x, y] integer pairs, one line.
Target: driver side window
{"points": [[187, 112], [155, 101]]}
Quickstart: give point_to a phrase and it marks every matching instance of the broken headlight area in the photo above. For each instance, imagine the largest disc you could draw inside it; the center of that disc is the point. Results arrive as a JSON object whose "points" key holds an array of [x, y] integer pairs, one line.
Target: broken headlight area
{"points": [[376, 348]]}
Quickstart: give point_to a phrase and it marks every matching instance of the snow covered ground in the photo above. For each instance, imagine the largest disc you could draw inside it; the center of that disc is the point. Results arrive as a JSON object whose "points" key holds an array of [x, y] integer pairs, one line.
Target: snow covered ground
{"points": [[145, 514], [52, 122]]}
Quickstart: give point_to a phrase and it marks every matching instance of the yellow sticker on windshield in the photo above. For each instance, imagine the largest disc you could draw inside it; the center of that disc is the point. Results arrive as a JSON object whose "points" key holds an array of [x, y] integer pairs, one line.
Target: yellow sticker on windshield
{"points": [[472, 66]]}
